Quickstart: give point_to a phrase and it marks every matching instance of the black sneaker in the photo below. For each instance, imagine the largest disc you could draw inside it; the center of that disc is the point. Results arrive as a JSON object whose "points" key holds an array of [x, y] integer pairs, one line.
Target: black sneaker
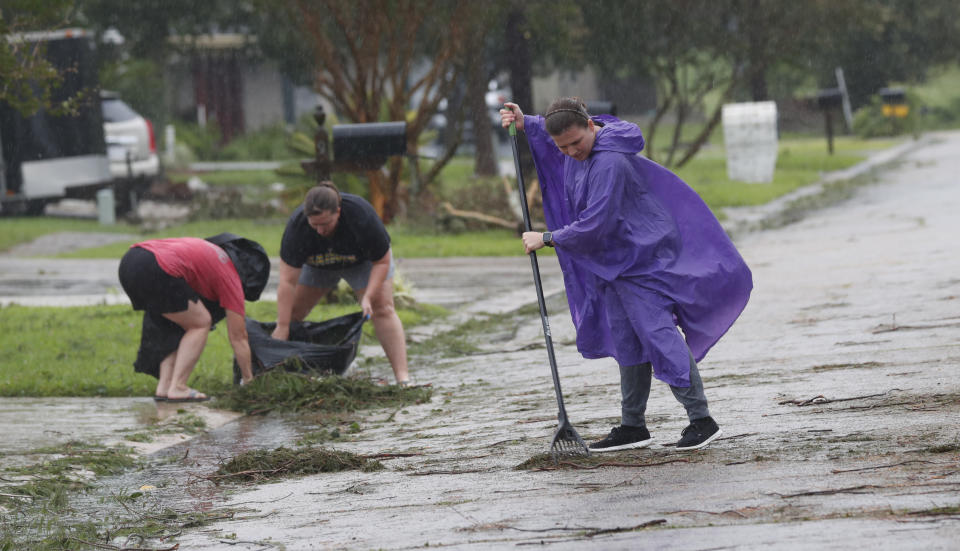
{"points": [[623, 437], [698, 434]]}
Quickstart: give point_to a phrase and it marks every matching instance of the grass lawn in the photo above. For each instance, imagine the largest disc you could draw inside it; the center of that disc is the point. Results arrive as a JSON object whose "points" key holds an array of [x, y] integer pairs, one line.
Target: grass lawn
{"points": [[89, 350], [800, 162]]}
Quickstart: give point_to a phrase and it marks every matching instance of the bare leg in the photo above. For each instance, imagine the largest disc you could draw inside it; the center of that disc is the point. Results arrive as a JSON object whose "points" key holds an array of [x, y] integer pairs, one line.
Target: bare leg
{"points": [[195, 321], [166, 374], [305, 298], [389, 329]]}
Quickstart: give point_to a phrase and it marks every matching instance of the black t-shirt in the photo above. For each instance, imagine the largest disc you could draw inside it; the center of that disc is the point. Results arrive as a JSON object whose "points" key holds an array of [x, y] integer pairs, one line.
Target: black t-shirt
{"points": [[360, 236]]}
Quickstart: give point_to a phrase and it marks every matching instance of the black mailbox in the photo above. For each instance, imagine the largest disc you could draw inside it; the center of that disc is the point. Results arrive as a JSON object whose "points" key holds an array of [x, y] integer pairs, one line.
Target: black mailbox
{"points": [[894, 102], [829, 98], [893, 96], [368, 145], [601, 108]]}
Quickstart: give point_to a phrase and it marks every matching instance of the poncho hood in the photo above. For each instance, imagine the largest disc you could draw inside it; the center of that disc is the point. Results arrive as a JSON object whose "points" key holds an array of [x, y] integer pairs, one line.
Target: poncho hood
{"points": [[617, 136]]}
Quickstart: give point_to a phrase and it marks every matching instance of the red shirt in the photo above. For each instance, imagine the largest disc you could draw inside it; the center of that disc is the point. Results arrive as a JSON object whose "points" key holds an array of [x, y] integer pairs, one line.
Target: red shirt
{"points": [[205, 267]]}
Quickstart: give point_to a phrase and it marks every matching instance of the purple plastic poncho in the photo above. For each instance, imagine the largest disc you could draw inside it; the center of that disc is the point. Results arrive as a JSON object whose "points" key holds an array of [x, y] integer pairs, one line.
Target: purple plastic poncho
{"points": [[641, 253]]}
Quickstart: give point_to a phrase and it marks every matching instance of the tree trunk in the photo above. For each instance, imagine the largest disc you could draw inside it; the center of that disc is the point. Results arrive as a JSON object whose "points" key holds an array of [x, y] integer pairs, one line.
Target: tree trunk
{"points": [[520, 67], [485, 161], [378, 196]]}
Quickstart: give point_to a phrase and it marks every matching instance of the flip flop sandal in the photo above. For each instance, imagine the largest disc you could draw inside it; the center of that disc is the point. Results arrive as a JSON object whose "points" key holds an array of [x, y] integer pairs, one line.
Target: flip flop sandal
{"points": [[193, 397], [159, 398]]}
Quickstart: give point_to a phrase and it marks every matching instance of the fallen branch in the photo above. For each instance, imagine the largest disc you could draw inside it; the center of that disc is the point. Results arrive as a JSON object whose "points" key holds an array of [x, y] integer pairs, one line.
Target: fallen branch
{"points": [[743, 435], [821, 399], [838, 471], [468, 471], [850, 490], [390, 455], [609, 464], [261, 502], [705, 512], [532, 190], [647, 524], [479, 216]]}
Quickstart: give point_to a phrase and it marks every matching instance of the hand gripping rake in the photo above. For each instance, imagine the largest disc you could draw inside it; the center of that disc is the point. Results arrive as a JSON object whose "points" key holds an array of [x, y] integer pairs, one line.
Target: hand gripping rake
{"points": [[566, 441]]}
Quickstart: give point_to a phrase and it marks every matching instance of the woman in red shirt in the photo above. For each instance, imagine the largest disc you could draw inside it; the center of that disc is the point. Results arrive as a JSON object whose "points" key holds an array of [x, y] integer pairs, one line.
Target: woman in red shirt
{"points": [[185, 286]]}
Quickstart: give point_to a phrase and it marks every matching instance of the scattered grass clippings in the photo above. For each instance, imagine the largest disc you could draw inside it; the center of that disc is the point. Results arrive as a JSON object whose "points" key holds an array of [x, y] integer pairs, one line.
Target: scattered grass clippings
{"points": [[74, 456], [183, 423], [46, 485], [846, 366], [461, 340], [258, 465], [943, 448], [134, 526], [626, 458], [284, 391], [937, 511]]}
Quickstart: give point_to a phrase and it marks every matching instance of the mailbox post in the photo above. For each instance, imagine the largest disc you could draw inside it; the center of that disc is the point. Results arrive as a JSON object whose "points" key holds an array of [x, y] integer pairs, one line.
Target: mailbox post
{"points": [[321, 166], [829, 100]]}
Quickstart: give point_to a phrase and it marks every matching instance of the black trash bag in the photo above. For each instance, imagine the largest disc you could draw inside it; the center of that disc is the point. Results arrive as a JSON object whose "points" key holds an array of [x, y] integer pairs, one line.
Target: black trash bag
{"points": [[314, 347], [250, 260]]}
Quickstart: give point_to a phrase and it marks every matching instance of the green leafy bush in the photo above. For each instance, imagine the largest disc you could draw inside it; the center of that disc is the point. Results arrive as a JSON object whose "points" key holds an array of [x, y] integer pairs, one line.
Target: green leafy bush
{"points": [[203, 142], [266, 144], [870, 122]]}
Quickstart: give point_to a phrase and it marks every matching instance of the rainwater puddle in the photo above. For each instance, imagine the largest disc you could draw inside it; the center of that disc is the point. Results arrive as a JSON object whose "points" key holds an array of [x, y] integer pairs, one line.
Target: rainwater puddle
{"points": [[179, 471], [171, 479], [31, 423]]}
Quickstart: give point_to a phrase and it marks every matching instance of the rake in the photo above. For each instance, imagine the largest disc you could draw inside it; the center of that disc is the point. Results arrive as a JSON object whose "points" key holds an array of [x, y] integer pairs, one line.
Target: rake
{"points": [[566, 441]]}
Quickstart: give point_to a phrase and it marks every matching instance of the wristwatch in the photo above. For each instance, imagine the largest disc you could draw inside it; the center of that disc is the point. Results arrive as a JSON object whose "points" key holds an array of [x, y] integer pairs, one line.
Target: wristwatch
{"points": [[548, 238]]}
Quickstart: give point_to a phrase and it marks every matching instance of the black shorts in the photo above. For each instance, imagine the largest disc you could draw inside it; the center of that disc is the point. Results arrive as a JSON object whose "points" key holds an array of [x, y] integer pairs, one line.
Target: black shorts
{"points": [[149, 287]]}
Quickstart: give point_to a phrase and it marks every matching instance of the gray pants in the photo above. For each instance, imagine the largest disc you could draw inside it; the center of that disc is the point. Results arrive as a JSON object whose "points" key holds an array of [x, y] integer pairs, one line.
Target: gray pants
{"points": [[635, 390]]}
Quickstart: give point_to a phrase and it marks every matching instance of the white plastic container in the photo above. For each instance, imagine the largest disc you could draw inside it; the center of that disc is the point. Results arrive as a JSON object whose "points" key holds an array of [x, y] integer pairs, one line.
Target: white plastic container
{"points": [[750, 135], [105, 207]]}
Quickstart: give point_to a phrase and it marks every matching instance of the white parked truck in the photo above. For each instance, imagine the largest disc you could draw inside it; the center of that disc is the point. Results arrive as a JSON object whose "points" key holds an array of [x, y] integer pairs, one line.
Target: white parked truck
{"points": [[44, 157]]}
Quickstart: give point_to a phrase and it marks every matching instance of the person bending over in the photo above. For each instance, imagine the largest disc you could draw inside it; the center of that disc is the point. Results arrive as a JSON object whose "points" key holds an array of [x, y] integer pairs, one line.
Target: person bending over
{"points": [[334, 236], [184, 286]]}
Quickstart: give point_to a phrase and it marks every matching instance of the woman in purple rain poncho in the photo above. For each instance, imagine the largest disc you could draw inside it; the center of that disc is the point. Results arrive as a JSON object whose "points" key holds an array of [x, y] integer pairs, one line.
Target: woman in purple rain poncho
{"points": [[641, 254]]}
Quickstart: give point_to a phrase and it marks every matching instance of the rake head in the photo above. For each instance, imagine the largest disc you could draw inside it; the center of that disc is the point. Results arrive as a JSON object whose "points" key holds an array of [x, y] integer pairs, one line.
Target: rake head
{"points": [[566, 442]]}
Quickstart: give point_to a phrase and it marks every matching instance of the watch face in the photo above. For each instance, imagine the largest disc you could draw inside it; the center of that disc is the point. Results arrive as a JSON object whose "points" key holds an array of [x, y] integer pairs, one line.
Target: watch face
{"points": [[547, 237]]}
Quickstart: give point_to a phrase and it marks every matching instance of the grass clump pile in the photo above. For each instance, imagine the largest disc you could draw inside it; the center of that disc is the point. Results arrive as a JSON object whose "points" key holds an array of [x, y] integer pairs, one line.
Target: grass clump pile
{"points": [[280, 390], [629, 459], [259, 465]]}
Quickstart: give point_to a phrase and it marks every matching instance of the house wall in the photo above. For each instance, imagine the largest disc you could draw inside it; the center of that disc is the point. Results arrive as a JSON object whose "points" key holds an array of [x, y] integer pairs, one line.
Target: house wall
{"points": [[263, 95], [565, 83], [267, 97]]}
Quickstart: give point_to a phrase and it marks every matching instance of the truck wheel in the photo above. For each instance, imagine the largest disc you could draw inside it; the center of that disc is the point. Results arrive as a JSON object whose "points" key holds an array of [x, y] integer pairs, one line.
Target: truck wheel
{"points": [[34, 207]]}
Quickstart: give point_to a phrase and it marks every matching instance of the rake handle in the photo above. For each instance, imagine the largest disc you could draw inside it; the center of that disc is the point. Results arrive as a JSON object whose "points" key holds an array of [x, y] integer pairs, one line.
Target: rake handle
{"points": [[544, 318]]}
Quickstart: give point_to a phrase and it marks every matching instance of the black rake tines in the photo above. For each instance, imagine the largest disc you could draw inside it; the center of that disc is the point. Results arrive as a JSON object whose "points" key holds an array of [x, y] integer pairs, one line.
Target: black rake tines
{"points": [[566, 442]]}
